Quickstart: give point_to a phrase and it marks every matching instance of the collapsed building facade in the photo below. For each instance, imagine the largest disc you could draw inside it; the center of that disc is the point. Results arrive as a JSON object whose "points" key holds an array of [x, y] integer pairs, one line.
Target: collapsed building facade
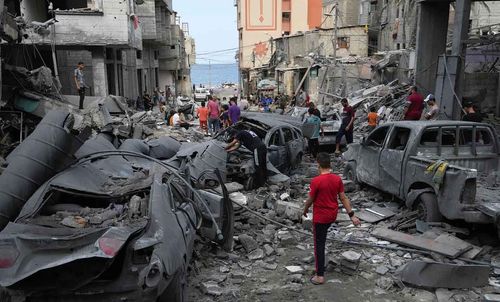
{"points": [[377, 42]]}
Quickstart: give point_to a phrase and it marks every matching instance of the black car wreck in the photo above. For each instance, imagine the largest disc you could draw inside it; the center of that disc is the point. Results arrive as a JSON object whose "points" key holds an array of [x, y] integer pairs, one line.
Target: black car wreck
{"points": [[117, 225]]}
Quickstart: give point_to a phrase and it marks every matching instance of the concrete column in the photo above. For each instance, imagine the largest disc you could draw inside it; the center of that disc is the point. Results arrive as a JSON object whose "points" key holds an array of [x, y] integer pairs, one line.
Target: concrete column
{"points": [[432, 30], [450, 95], [99, 75]]}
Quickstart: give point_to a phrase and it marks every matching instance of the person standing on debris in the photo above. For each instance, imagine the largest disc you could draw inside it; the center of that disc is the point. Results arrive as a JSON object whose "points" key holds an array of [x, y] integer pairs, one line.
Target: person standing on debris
{"points": [[234, 111], [325, 190], [372, 118], [433, 112], [415, 105], [313, 141], [202, 113], [252, 142], [79, 79], [224, 117], [347, 125], [213, 115]]}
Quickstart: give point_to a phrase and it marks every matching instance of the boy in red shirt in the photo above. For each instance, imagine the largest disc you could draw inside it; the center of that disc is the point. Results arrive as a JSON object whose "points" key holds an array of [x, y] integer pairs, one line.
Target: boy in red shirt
{"points": [[203, 116], [323, 194]]}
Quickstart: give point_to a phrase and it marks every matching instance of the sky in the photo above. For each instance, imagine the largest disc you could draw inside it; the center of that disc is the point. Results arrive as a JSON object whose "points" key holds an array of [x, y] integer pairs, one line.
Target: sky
{"points": [[213, 26]]}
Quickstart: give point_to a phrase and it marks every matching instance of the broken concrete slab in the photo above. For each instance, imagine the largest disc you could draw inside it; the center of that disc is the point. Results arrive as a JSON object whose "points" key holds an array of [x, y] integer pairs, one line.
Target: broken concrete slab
{"points": [[454, 241], [256, 254], [444, 295], [375, 214], [444, 275], [248, 243], [419, 242], [491, 298], [294, 269], [231, 187]]}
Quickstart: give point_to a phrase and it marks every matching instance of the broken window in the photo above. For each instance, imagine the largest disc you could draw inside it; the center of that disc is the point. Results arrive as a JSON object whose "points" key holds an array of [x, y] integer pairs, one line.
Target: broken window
{"points": [[287, 133], [483, 136], [377, 137], [275, 139], [399, 138], [343, 42], [430, 137], [448, 137], [82, 5]]}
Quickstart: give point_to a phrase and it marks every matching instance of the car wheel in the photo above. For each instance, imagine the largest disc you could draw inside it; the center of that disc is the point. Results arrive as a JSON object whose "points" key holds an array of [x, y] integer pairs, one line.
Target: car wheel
{"points": [[176, 291], [428, 209], [350, 172]]}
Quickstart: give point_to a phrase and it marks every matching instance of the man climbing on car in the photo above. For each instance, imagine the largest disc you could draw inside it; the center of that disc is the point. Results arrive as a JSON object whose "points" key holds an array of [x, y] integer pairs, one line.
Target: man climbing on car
{"points": [[252, 142]]}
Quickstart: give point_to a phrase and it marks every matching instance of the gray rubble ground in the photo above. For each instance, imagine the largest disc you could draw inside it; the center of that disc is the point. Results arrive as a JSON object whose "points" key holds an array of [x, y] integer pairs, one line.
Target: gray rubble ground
{"points": [[271, 263]]}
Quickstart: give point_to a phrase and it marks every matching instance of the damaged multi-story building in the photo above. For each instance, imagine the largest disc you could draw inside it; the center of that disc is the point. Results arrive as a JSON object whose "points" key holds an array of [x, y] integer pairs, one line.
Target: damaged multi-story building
{"points": [[361, 43], [128, 47]]}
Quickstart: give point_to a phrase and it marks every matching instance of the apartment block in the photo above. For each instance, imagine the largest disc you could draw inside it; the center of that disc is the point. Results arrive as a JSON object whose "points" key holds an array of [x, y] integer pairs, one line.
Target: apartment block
{"points": [[120, 42]]}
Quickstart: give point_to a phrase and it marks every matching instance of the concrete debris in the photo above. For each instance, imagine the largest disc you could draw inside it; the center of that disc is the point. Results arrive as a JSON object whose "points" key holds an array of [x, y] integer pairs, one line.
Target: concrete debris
{"points": [[256, 254], [248, 243], [491, 298], [293, 269], [375, 214], [436, 275]]}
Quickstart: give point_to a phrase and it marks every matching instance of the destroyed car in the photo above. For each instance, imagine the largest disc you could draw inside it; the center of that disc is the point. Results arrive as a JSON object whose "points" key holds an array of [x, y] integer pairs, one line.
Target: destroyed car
{"points": [[115, 226], [285, 147], [398, 158]]}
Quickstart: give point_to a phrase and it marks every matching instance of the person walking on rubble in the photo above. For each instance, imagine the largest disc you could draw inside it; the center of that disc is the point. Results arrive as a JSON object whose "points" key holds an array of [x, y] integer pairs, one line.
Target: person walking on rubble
{"points": [[313, 141], [415, 105], [213, 115], [252, 142], [325, 190], [202, 113], [346, 127], [372, 118], [79, 79], [433, 112]]}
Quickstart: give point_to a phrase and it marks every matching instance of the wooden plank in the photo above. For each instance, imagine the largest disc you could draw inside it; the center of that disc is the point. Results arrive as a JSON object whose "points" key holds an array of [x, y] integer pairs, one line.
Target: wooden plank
{"points": [[417, 242], [454, 241]]}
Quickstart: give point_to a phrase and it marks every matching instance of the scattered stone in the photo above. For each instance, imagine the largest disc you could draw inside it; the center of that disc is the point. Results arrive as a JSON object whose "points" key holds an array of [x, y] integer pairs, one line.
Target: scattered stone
{"points": [[444, 295], [289, 210], [263, 290], [334, 281], [224, 269], [425, 296], [239, 274], [256, 254], [384, 283], [211, 288], [296, 278], [367, 276], [270, 266], [244, 264], [308, 259], [382, 270], [238, 198], [286, 238], [284, 196], [395, 262], [294, 269], [268, 250], [351, 256], [248, 243], [219, 278]]}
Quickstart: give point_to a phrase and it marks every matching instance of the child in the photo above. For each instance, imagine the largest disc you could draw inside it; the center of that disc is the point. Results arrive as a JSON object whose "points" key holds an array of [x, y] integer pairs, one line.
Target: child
{"points": [[202, 113], [224, 116], [325, 191], [372, 118]]}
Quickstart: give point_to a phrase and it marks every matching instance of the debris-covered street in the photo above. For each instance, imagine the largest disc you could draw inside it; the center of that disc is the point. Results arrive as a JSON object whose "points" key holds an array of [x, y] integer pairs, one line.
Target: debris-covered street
{"points": [[342, 151]]}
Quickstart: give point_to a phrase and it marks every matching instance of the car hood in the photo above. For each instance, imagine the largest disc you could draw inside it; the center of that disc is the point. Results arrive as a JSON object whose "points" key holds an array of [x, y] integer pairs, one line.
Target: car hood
{"points": [[47, 252]]}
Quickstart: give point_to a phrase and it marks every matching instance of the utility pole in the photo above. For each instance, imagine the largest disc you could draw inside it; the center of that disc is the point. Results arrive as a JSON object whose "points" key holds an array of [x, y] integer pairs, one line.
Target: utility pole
{"points": [[335, 33], [209, 74]]}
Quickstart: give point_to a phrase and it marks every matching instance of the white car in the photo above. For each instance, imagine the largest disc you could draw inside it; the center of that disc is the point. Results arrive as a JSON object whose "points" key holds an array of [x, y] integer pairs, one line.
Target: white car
{"points": [[201, 94]]}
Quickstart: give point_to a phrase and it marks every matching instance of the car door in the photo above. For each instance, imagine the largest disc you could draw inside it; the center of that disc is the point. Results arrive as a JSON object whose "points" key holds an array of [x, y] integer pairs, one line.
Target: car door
{"points": [[276, 149], [391, 159], [185, 213], [367, 168], [293, 144]]}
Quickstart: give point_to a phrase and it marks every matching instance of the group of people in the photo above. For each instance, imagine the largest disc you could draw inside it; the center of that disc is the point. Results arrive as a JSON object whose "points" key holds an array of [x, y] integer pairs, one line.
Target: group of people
{"points": [[215, 116]]}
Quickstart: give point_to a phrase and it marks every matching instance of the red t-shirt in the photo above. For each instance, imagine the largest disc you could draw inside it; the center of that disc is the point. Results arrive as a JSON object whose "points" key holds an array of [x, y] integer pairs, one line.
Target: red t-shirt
{"points": [[324, 190], [416, 107]]}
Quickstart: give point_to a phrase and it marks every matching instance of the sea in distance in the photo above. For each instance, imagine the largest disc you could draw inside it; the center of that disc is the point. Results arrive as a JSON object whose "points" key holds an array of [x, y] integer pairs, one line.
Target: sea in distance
{"points": [[215, 74]]}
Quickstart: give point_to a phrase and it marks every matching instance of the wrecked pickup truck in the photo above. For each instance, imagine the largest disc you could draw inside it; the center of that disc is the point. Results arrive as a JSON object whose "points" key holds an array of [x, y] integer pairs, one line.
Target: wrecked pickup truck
{"points": [[397, 157], [285, 147]]}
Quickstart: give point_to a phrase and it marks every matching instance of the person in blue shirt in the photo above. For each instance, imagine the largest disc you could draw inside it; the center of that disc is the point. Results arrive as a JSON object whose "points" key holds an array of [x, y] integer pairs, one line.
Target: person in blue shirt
{"points": [[313, 141]]}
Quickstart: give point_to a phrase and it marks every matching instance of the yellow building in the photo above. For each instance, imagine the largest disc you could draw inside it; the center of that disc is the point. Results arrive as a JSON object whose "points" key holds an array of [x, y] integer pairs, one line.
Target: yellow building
{"points": [[259, 21]]}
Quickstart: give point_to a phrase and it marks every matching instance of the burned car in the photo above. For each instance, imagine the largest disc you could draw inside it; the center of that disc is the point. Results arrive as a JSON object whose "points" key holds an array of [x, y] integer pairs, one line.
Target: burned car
{"points": [[117, 225], [285, 147], [432, 166]]}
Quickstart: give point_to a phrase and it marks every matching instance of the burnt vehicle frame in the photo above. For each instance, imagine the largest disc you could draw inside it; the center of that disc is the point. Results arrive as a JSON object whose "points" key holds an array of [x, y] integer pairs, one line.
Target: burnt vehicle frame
{"points": [[416, 146], [125, 264], [284, 142]]}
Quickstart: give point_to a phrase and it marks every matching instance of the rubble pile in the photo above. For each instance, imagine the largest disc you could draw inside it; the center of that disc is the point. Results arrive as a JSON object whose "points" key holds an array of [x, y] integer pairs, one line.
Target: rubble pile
{"points": [[274, 255]]}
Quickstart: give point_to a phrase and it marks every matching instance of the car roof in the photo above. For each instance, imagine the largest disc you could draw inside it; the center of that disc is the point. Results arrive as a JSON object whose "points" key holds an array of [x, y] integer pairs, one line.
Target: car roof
{"points": [[272, 119]]}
